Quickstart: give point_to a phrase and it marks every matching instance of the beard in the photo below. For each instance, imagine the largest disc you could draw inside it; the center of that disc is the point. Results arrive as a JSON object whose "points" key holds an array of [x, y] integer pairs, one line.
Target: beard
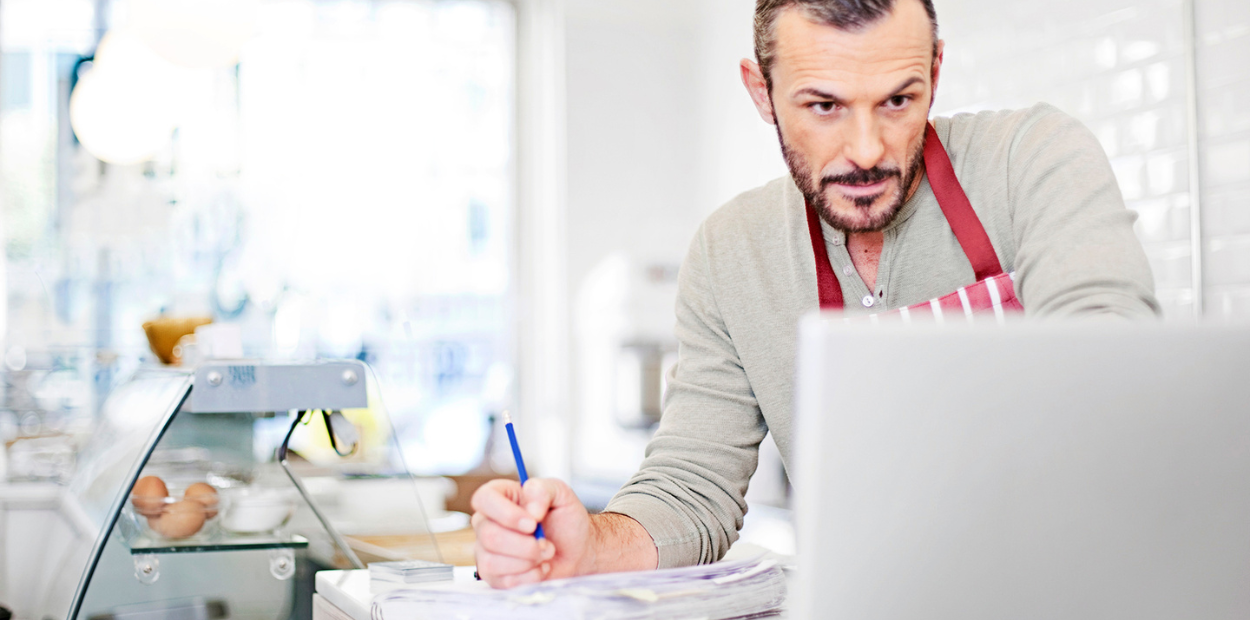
{"points": [[863, 218]]}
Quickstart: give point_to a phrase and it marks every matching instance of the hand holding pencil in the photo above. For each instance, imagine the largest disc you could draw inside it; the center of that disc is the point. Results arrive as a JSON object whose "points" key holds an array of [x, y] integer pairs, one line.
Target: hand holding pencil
{"points": [[506, 519]]}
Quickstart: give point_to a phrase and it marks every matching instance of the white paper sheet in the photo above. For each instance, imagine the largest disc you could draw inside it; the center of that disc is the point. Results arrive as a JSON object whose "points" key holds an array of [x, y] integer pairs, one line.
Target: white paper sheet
{"points": [[736, 589]]}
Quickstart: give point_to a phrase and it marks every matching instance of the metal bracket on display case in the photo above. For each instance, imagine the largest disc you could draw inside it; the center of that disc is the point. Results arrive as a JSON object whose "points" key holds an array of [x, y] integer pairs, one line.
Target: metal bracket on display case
{"points": [[237, 386]]}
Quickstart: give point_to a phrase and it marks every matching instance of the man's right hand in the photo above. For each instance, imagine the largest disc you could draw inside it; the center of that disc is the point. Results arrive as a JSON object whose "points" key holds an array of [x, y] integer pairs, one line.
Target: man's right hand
{"points": [[504, 519]]}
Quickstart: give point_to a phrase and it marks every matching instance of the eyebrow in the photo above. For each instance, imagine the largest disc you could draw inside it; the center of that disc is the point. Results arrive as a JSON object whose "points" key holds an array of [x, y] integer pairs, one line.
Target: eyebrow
{"points": [[905, 85], [819, 94], [838, 100]]}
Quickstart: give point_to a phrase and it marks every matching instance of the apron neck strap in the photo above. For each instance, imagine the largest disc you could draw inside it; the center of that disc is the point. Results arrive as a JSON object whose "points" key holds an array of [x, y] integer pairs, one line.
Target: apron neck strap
{"points": [[957, 209], [826, 280]]}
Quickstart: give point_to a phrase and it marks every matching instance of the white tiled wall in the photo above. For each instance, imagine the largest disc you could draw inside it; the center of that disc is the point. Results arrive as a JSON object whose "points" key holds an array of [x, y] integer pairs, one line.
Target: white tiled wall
{"points": [[1119, 66], [1223, 34]]}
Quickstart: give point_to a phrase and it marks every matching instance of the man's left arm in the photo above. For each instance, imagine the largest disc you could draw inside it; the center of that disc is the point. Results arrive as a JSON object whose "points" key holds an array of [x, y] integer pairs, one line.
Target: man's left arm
{"points": [[1077, 254]]}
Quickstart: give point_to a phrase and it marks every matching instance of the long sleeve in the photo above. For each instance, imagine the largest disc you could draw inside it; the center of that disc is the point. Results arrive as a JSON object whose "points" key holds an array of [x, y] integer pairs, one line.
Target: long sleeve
{"points": [[1076, 252], [689, 492]]}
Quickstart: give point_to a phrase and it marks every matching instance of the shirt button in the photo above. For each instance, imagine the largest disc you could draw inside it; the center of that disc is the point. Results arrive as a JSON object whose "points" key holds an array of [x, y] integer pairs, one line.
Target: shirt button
{"points": [[836, 241], [848, 270], [868, 301]]}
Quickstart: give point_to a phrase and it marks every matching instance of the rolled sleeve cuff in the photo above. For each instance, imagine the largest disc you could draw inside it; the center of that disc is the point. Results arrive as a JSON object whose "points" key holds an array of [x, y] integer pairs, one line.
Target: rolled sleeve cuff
{"points": [[676, 540]]}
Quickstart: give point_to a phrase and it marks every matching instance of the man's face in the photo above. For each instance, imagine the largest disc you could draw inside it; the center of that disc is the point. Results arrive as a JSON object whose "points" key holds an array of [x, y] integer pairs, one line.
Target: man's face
{"points": [[851, 110]]}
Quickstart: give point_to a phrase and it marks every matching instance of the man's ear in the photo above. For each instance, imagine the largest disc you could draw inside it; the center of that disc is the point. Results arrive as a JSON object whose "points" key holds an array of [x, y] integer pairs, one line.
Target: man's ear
{"points": [[757, 87], [937, 71]]}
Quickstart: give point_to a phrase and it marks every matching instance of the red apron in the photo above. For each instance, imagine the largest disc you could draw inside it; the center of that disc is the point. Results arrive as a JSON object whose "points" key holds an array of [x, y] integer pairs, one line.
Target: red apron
{"points": [[993, 292]]}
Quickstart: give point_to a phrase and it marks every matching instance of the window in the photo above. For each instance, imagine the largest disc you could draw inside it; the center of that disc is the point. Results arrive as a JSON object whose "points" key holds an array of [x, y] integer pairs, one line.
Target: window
{"points": [[345, 190]]}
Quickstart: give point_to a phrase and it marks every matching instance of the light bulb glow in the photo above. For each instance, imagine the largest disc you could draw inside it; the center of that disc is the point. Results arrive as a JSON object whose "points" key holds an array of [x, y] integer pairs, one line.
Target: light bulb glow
{"points": [[122, 110]]}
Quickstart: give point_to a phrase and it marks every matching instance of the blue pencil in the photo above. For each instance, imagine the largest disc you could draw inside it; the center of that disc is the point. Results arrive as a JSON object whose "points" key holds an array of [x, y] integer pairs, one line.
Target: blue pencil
{"points": [[520, 464]]}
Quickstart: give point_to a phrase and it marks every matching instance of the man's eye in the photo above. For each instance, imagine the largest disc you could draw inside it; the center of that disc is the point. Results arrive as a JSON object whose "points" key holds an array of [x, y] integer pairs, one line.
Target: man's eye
{"points": [[897, 101], [824, 107]]}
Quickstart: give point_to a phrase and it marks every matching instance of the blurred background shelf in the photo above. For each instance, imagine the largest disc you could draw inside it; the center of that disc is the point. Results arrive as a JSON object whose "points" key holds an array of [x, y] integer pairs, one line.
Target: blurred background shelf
{"points": [[456, 547]]}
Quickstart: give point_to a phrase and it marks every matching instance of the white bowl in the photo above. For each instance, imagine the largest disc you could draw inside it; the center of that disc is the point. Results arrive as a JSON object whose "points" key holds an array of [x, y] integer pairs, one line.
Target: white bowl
{"points": [[256, 510]]}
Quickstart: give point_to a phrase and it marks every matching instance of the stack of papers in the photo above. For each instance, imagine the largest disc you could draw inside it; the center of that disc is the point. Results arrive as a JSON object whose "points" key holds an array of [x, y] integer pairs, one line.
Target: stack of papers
{"points": [[738, 589], [385, 576]]}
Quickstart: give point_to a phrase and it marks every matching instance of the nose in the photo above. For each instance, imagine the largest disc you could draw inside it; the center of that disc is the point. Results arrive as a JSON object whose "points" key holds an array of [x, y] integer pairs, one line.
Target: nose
{"points": [[864, 144]]}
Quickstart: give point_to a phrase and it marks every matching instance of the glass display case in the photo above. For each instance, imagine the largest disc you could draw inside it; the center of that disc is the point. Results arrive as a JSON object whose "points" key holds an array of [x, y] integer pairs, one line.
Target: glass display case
{"points": [[217, 493]]}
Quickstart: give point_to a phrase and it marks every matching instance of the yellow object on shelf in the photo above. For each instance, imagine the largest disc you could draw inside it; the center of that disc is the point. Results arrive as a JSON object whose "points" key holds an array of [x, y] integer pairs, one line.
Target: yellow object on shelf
{"points": [[165, 332]]}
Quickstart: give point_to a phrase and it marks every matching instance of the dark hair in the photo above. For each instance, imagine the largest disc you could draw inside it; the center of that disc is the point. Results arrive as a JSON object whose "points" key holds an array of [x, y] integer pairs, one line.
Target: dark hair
{"points": [[849, 15]]}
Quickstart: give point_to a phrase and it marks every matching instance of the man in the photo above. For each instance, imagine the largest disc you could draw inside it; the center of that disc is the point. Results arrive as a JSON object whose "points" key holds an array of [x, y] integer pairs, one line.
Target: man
{"points": [[874, 213]]}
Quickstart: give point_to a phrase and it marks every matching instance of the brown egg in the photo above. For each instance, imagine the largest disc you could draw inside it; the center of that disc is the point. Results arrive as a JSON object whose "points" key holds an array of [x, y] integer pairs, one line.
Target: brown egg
{"points": [[181, 519], [205, 494], [149, 496]]}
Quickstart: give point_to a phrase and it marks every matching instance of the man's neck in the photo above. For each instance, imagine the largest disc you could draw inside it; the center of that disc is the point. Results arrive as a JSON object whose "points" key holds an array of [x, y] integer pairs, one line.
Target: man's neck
{"points": [[865, 251], [865, 248]]}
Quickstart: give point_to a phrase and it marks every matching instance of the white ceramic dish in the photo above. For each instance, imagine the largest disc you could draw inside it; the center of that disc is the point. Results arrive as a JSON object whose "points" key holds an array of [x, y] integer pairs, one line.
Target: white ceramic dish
{"points": [[256, 510]]}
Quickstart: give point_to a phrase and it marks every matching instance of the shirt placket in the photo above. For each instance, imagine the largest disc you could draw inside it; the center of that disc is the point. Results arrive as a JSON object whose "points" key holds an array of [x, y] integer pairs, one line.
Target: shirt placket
{"points": [[854, 290]]}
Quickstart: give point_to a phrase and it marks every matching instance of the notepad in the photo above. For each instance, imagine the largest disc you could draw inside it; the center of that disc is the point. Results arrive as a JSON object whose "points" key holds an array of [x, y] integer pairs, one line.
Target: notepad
{"points": [[386, 576], [737, 589]]}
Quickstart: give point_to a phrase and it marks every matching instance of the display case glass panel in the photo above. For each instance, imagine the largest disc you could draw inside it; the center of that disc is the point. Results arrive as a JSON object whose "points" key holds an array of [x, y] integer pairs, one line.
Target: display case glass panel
{"points": [[187, 501]]}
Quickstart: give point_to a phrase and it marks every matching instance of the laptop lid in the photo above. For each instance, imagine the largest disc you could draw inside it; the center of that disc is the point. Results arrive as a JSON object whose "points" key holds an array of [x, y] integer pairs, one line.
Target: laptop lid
{"points": [[1026, 471]]}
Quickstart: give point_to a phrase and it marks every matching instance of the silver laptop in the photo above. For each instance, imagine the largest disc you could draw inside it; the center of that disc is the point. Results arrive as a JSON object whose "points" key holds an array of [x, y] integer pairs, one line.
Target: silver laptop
{"points": [[1027, 471]]}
